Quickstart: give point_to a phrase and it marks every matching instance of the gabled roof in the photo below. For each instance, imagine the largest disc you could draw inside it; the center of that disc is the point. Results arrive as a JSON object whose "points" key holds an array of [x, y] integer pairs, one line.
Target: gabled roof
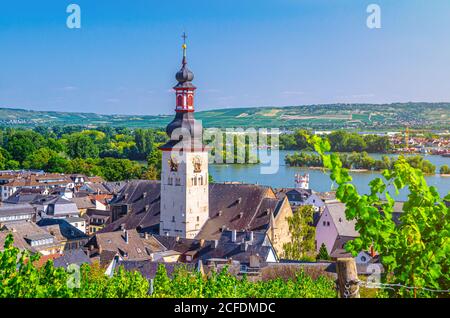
{"points": [[16, 209], [136, 248], [77, 257], [344, 227], [338, 250], [238, 207], [19, 241], [61, 229], [83, 202], [240, 250], [29, 231], [21, 198]]}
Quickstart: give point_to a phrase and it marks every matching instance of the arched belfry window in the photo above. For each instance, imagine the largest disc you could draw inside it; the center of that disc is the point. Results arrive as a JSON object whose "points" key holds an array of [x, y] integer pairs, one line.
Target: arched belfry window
{"points": [[180, 100]]}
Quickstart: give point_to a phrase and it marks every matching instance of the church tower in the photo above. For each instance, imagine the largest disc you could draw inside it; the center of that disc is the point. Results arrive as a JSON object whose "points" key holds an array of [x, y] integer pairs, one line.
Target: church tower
{"points": [[184, 175]]}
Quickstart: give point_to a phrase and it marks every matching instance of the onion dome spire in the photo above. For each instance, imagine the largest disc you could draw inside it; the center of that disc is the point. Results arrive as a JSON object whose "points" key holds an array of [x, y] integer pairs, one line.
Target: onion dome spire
{"points": [[184, 74]]}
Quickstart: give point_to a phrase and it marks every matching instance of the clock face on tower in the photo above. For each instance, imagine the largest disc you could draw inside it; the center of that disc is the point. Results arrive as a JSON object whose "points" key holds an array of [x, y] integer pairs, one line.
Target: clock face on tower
{"points": [[173, 164], [197, 162]]}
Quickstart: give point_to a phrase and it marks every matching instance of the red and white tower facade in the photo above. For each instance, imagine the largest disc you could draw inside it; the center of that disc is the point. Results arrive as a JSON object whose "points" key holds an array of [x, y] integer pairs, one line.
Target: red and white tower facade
{"points": [[184, 90], [302, 181]]}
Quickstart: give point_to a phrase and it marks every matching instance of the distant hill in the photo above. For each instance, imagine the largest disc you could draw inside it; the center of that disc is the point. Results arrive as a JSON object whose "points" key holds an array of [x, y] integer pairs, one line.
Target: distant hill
{"points": [[323, 117]]}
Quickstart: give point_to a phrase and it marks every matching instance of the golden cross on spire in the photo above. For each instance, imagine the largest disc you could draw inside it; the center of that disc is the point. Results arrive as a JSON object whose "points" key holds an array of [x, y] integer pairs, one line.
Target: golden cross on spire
{"points": [[184, 36]]}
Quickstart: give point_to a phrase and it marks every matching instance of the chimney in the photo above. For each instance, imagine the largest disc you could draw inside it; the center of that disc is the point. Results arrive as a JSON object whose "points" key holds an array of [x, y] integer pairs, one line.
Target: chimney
{"points": [[215, 243], [233, 236], [202, 242], [251, 236], [241, 215], [254, 261], [244, 246], [177, 239], [126, 236], [146, 235], [372, 251]]}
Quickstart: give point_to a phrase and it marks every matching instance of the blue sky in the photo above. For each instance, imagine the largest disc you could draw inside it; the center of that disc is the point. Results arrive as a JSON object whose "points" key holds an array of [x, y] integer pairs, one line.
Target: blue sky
{"points": [[243, 53]]}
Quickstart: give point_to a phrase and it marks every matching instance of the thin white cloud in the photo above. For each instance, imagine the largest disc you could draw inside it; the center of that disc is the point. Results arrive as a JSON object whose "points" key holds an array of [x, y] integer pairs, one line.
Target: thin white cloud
{"points": [[355, 96], [69, 88], [113, 100], [290, 93]]}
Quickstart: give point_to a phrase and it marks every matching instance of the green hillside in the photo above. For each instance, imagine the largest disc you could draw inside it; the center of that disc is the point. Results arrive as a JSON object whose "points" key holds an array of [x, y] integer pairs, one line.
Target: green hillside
{"points": [[333, 116]]}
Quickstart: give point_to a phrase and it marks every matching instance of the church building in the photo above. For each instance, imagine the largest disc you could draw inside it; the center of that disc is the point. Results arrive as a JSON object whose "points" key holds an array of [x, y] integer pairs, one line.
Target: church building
{"points": [[184, 204]]}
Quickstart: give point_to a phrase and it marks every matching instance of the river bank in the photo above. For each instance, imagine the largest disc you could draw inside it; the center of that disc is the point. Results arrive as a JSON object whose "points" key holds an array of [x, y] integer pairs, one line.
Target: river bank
{"points": [[283, 176]]}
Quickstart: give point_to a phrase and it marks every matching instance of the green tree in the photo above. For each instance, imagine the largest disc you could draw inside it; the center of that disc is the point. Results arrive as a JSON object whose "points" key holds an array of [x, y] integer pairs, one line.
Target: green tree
{"points": [[87, 167], [39, 159], [288, 142], [151, 174], [444, 170], [12, 165], [302, 233], [23, 142], [323, 253], [3, 161], [414, 253], [81, 146], [119, 169], [155, 159]]}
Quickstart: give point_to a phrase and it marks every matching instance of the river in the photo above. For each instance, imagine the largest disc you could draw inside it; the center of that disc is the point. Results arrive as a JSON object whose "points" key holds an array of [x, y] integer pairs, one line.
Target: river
{"points": [[319, 181]]}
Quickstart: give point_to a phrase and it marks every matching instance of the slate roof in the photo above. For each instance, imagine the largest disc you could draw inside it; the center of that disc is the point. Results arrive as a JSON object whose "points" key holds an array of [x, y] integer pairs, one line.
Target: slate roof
{"points": [[114, 187], [142, 197], [344, 227], [83, 202], [30, 231], [19, 241], [224, 248], [77, 257], [96, 188], [137, 247], [338, 250], [61, 229], [16, 209], [38, 180], [92, 214], [238, 207], [241, 249], [22, 198], [294, 194]]}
